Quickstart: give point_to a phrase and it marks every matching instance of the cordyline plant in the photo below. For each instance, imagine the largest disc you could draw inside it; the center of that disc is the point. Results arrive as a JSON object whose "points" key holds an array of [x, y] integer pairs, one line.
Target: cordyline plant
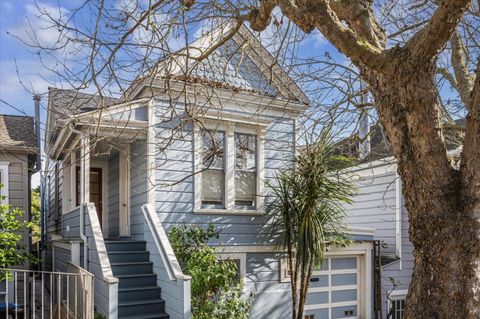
{"points": [[13, 250], [308, 211]]}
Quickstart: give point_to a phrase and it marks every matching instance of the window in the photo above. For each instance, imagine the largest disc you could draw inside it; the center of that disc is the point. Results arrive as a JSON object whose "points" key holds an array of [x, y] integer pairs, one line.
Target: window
{"points": [[4, 182], [397, 308], [228, 162], [240, 259], [245, 170], [213, 171], [397, 304]]}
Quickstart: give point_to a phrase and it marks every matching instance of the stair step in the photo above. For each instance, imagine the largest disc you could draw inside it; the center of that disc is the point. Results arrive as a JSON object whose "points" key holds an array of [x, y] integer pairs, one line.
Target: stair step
{"points": [[128, 256], [139, 293], [132, 268], [160, 315], [140, 307], [136, 280], [125, 245]]}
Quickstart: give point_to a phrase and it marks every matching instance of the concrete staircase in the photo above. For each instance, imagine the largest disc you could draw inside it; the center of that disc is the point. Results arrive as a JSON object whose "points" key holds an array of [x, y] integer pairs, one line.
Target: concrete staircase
{"points": [[138, 293]]}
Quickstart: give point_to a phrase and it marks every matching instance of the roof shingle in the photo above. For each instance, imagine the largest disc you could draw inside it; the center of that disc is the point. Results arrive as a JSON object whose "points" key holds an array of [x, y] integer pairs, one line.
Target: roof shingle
{"points": [[17, 131]]}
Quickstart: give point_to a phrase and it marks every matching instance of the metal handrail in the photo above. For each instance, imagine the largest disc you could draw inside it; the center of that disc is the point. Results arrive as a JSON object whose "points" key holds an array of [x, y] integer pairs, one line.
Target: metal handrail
{"points": [[48, 294]]}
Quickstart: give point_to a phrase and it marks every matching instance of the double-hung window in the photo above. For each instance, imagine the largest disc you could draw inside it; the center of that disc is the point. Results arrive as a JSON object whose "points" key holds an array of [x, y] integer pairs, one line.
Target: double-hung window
{"points": [[228, 170], [213, 169], [245, 170]]}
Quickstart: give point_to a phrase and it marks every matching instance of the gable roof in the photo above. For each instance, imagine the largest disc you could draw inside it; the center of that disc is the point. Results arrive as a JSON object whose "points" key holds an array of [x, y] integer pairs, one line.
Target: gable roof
{"points": [[381, 148], [240, 63], [64, 103], [17, 132]]}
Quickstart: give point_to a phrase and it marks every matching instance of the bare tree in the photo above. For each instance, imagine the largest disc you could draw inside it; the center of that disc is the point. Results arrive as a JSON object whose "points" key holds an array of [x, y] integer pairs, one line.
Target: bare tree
{"points": [[405, 51]]}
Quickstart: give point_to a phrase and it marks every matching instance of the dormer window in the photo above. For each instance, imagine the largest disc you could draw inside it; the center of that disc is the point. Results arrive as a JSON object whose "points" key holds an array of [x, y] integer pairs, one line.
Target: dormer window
{"points": [[229, 168]]}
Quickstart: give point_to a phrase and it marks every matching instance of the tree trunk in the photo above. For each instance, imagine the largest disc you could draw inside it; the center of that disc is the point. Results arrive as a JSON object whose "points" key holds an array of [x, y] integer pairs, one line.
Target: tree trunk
{"points": [[444, 231]]}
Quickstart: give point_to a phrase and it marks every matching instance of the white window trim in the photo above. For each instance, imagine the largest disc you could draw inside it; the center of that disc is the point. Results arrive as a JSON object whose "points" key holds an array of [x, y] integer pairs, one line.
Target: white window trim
{"points": [[4, 190], [240, 256], [394, 295], [230, 128]]}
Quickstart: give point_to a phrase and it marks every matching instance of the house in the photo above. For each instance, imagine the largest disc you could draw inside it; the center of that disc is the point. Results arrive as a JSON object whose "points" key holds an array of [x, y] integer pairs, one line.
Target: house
{"points": [[194, 147], [380, 205], [19, 155], [19, 160]]}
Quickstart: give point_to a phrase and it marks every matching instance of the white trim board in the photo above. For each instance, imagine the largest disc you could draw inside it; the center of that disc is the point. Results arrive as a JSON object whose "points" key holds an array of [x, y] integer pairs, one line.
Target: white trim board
{"points": [[4, 190]]}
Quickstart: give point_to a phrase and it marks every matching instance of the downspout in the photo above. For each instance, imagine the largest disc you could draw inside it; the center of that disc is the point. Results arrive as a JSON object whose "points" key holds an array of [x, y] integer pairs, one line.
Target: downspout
{"points": [[83, 207]]}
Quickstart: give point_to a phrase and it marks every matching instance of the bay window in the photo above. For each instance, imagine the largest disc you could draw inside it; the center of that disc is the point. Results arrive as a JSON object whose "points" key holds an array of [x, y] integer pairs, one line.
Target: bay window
{"points": [[228, 164]]}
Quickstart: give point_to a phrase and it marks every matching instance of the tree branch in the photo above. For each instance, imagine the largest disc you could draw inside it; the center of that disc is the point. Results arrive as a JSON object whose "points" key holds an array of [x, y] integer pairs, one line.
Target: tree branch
{"points": [[429, 41], [463, 77], [470, 165]]}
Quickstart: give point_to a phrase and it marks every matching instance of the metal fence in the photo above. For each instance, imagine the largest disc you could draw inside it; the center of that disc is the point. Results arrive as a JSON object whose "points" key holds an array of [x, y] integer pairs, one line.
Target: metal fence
{"points": [[44, 294]]}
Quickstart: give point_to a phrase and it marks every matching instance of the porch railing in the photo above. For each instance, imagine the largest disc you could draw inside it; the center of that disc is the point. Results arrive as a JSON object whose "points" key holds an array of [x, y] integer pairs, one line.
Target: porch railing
{"points": [[44, 294]]}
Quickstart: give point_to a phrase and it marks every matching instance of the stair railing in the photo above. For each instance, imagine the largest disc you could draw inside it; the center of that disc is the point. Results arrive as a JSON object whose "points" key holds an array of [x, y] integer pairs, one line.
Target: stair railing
{"points": [[163, 244], [168, 270]]}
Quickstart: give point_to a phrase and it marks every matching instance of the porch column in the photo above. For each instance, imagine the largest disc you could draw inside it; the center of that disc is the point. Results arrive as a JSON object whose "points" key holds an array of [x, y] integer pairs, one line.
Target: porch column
{"points": [[124, 191], [85, 169], [73, 180]]}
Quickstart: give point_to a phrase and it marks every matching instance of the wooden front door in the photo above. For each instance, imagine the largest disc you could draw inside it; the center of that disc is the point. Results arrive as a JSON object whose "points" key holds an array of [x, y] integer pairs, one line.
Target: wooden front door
{"points": [[96, 187]]}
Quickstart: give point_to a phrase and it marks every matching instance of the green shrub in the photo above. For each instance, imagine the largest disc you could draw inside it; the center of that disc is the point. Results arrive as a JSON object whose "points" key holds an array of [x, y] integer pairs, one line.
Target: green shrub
{"points": [[216, 289]]}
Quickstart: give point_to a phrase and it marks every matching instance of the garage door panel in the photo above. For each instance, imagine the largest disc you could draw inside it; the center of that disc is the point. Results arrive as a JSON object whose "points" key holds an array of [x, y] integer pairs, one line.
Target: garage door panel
{"points": [[318, 281], [318, 314], [315, 298], [344, 312], [344, 295], [344, 263], [344, 279]]}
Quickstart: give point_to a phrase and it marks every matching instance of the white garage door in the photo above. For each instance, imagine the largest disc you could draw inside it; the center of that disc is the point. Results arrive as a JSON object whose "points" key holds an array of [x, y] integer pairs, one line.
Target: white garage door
{"points": [[334, 289]]}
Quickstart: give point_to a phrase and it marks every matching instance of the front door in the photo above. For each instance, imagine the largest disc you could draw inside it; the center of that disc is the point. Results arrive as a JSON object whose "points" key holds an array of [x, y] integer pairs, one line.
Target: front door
{"points": [[96, 187]]}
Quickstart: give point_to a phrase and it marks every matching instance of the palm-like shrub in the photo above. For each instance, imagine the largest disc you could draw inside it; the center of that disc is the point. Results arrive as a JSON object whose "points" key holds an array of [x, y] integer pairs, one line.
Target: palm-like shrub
{"points": [[308, 211]]}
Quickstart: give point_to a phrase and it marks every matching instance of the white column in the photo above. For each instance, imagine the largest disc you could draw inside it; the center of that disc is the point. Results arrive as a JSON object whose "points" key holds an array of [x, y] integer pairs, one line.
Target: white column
{"points": [[73, 180], [85, 169], [124, 191]]}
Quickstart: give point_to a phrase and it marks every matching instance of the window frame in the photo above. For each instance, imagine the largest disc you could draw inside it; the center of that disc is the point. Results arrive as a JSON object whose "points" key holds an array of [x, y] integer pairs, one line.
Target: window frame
{"points": [[230, 128], [4, 191]]}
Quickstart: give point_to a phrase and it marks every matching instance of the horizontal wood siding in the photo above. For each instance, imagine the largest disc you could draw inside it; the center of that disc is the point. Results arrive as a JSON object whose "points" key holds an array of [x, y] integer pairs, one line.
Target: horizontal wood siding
{"points": [[62, 257], [138, 188], [375, 207], [174, 177], [271, 298]]}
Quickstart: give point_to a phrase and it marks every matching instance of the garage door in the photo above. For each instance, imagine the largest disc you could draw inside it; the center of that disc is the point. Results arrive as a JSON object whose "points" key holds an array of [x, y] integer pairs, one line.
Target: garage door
{"points": [[334, 289]]}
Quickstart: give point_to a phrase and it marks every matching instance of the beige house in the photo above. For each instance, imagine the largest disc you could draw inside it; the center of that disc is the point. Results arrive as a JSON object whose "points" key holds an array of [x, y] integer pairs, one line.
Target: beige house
{"points": [[19, 155]]}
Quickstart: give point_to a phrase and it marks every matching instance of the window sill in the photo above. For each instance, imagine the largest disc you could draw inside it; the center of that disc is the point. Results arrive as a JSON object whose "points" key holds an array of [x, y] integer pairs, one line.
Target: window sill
{"points": [[230, 212]]}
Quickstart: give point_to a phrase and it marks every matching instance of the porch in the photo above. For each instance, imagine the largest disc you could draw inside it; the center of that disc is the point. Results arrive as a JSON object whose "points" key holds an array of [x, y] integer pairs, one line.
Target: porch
{"points": [[104, 225]]}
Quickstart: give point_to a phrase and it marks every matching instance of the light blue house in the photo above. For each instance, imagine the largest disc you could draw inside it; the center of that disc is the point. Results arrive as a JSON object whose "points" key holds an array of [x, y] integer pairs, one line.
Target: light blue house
{"points": [[198, 145]]}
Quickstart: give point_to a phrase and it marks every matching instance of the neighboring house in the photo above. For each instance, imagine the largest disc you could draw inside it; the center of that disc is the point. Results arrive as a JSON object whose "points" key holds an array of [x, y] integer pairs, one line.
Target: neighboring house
{"points": [[196, 149], [379, 205], [19, 155]]}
